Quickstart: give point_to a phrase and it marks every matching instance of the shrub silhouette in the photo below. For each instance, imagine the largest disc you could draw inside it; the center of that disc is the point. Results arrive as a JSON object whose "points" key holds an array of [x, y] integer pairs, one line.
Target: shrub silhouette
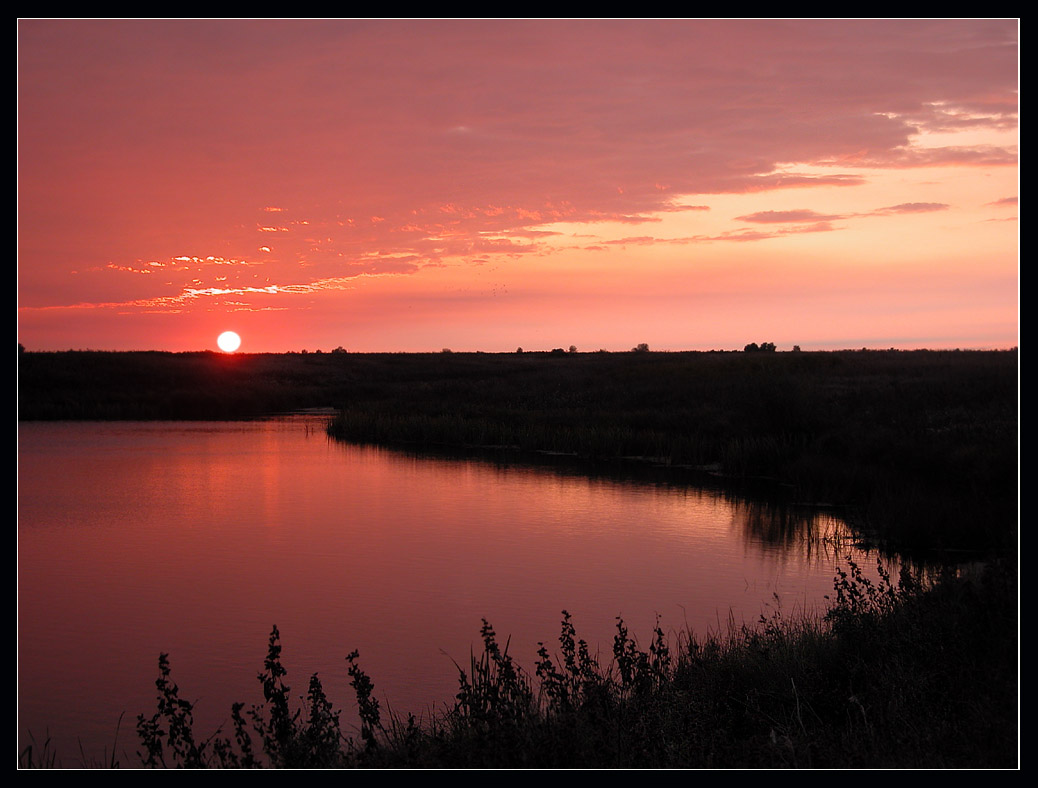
{"points": [[763, 347]]}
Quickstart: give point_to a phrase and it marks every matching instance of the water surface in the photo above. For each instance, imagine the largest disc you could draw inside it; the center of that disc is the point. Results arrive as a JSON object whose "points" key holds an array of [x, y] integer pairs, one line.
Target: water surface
{"points": [[195, 538]]}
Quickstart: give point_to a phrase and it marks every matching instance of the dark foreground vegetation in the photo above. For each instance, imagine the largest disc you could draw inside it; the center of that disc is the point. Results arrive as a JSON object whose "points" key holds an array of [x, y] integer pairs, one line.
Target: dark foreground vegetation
{"points": [[894, 676], [920, 447]]}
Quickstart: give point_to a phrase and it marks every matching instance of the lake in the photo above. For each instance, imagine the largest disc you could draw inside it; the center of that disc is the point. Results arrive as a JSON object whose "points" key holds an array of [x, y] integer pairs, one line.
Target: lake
{"points": [[194, 539]]}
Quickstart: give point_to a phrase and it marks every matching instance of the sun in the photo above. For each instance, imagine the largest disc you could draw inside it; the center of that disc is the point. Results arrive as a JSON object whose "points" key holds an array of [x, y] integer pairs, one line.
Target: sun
{"points": [[228, 341]]}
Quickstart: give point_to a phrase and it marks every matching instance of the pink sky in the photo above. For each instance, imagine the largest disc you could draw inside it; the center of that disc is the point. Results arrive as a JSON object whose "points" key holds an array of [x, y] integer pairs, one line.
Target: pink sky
{"points": [[484, 185]]}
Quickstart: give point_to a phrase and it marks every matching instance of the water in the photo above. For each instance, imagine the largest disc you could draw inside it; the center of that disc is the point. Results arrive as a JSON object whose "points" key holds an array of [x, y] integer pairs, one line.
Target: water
{"points": [[194, 539]]}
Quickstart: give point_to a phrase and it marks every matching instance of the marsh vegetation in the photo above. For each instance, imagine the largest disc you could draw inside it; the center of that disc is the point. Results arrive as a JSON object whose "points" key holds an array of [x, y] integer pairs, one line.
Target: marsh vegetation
{"points": [[896, 674]]}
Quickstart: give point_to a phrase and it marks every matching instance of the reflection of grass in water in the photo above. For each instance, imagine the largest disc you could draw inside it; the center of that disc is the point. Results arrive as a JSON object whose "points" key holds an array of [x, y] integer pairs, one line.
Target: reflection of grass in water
{"points": [[814, 533], [783, 525], [894, 675]]}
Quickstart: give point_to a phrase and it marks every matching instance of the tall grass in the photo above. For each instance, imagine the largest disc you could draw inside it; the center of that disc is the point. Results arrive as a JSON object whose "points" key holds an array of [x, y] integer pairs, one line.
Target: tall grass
{"points": [[897, 674]]}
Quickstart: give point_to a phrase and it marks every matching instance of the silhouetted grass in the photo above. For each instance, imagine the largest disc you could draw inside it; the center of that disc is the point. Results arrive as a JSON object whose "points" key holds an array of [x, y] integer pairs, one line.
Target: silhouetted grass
{"points": [[895, 675]]}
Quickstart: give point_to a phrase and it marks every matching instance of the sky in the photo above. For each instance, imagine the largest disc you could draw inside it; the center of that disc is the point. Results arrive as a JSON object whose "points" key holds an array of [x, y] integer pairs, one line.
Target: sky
{"points": [[414, 185]]}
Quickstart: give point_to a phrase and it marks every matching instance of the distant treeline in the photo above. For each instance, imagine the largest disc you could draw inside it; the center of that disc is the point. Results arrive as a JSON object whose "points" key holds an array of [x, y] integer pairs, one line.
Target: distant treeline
{"points": [[152, 385], [922, 444]]}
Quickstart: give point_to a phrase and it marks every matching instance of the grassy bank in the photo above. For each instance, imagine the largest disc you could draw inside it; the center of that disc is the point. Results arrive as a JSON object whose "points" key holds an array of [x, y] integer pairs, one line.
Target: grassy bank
{"points": [[922, 444], [894, 676]]}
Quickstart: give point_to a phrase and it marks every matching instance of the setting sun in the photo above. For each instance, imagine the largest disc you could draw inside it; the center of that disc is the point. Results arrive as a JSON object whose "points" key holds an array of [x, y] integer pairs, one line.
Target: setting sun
{"points": [[228, 341]]}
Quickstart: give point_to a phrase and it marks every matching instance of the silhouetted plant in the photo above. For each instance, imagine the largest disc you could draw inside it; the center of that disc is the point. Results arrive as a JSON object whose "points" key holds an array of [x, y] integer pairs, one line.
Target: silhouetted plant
{"points": [[32, 755], [495, 690], [370, 716], [247, 758], [641, 671], [322, 737], [860, 602], [891, 681], [277, 726], [176, 714], [632, 663], [581, 678], [168, 739], [659, 656]]}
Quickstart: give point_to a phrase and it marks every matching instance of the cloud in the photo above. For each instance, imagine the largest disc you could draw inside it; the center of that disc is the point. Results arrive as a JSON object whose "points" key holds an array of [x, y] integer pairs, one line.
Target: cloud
{"points": [[911, 207], [742, 235], [975, 156], [780, 217], [761, 235], [634, 240], [677, 208], [818, 220], [426, 140], [773, 181]]}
